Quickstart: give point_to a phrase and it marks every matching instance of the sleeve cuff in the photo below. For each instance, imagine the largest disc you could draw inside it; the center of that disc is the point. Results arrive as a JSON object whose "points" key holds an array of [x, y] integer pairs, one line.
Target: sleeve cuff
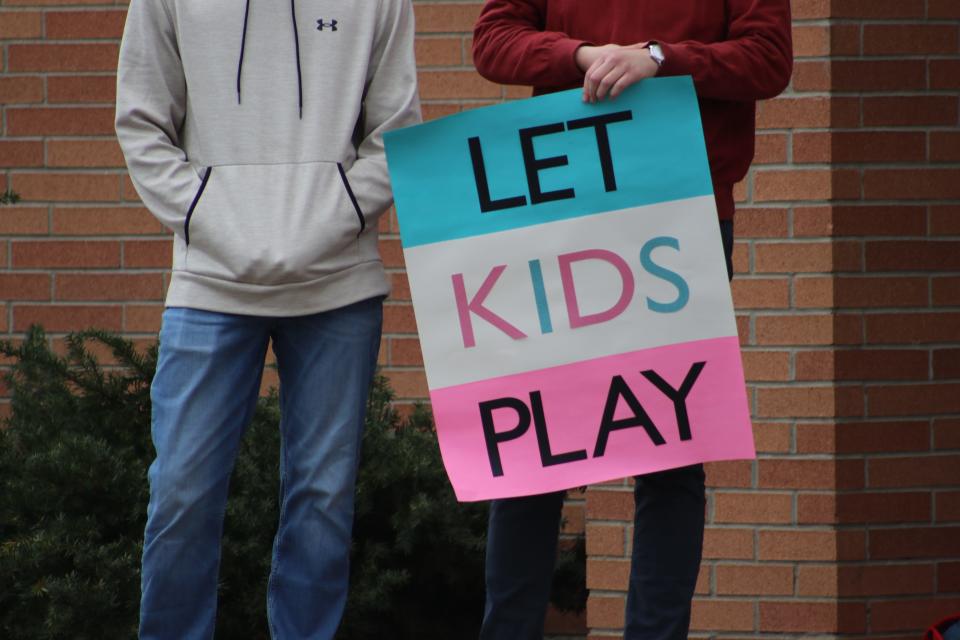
{"points": [[675, 60], [565, 51]]}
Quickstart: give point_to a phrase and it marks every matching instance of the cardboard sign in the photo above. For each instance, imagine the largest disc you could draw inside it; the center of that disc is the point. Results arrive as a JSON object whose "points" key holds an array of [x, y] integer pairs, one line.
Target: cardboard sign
{"points": [[570, 290]]}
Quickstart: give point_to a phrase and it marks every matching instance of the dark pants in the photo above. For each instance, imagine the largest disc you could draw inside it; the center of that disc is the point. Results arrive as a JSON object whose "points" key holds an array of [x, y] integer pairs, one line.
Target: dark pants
{"points": [[667, 547]]}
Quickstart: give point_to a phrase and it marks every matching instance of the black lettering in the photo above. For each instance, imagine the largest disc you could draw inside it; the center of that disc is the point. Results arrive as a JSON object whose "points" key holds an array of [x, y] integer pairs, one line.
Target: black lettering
{"points": [[534, 165], [599, 124], [547, 457], [678, 396], [620, 389], [490, 434], [483, 187]]}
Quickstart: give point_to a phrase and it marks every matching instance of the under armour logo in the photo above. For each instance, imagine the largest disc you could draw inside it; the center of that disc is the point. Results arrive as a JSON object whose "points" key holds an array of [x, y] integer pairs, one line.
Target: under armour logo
{"points": [[321, 24]]}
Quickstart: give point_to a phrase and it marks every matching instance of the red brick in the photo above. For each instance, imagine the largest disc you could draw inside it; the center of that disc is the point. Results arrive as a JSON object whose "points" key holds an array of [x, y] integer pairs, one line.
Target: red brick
{"points": [[817, 580], [142, 318], [101, 221], [118, 287], [877, 9], [727, 543], [446, 17], [606, 540], [66, 187], [845, 39], [24, 286], [948, 507], [914, 399], [918, 255], [810, 9], [608, 574], [147, 254], [456, 84], [405, 352], [912, 328], [807, 330], [946, 433], [916, 542], [399, 287], [772, 437], [81, 88], [945, 220], [434, 111], [816, 508], [805, 184], [806, 257], [77, 25], [398, 318], [913, 471], [904, 184], [21, 153], [911, 615], [21, 90], [909, 39], [860, 147], [766, 365], [796, 474], [809, 75], [948, 577], [728, 615], [63, 318], [945, 74], [439, 51], [943, 9], [874, 437], [408, 384], [605, 612], [730, 473], [878, 75], [749, 580], [788, 113], [62, 57], [809, 41], [807, 617], [761, 222], [883, 507], [862, 365], [797, 544], [946, 364], [761, 293], [770, 148], [913, 110], [22, 221], [66, 121], [752, 507], [84, 153], [20, 25], [58, 254], [609, 505], [945, 146]]}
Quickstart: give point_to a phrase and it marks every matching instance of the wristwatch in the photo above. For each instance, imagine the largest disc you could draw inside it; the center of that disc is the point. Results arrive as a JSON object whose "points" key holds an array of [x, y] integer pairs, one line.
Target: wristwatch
{"points": [[656, 53]]}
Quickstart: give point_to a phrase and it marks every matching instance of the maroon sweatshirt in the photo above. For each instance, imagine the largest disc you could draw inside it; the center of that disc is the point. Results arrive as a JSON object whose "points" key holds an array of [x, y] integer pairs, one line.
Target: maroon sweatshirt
{"points": [[738, 52]]}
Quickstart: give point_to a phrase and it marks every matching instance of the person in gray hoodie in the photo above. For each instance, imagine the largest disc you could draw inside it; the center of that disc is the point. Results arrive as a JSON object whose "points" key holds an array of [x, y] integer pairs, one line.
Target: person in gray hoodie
{"points": [[253, 131]]}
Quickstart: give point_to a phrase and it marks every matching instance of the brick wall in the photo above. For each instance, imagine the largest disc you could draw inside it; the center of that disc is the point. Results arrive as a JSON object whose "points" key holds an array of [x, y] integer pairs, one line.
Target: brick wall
{"points": [[848, 295]]}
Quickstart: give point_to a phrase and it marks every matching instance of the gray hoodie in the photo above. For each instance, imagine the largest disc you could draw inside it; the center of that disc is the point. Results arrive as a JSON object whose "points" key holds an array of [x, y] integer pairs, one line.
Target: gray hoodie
{"points": [[253, 130]]}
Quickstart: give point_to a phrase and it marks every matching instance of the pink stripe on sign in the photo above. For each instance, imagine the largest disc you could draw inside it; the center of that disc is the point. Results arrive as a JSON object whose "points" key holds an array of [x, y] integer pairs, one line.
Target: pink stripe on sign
{"points": [[595, 420]]}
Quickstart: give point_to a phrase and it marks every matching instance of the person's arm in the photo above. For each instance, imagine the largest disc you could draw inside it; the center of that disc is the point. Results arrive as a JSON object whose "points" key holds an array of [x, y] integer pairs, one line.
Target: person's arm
{"points": [[753, 63], [511, 47], [151, 104], [390, 102]]}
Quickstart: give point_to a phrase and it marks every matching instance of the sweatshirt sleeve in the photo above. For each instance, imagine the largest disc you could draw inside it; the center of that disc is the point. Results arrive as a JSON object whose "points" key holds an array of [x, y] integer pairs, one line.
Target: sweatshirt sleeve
{"points": [[511, 47], [753, 63], [390, 102], [151, 103]]}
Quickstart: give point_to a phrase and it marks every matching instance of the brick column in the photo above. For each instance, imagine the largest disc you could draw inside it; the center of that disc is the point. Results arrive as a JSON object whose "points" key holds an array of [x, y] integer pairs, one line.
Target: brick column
{"points": [[847, 294]]}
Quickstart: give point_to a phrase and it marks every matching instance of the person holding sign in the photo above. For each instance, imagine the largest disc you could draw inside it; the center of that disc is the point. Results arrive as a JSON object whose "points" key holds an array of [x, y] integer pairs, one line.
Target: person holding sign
{"points": [[738, 52], [254, 132]]}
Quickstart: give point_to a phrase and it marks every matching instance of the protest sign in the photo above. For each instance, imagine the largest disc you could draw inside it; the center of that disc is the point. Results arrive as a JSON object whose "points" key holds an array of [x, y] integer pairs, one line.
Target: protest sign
{"points": [[570, 290]]}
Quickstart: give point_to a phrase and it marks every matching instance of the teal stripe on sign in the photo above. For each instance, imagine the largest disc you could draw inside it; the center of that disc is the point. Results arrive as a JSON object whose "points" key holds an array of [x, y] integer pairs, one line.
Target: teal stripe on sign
{"points": [[658, 155]]}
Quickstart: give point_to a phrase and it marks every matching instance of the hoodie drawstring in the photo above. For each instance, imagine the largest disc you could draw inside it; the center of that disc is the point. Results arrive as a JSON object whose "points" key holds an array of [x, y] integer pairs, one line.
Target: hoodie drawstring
{"points": [[243, 44], [296, 44]]}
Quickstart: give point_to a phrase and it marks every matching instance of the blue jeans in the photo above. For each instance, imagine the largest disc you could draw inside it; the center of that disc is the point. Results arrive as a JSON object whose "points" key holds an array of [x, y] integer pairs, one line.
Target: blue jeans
{"points": [[667, 547], [204, 393]]}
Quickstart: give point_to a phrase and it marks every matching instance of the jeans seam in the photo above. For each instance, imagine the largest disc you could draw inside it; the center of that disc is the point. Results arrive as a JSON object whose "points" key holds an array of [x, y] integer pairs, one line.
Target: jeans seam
{"points": [[281, 528]]}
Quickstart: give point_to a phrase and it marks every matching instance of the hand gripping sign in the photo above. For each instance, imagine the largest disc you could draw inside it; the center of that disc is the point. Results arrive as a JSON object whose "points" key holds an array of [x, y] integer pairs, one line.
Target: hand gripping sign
{"points": [[570, 290]]}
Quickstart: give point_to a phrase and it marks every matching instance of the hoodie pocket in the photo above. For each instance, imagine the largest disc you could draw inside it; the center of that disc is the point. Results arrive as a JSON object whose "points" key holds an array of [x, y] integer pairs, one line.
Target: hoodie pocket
{"points": [[273, 224]]}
